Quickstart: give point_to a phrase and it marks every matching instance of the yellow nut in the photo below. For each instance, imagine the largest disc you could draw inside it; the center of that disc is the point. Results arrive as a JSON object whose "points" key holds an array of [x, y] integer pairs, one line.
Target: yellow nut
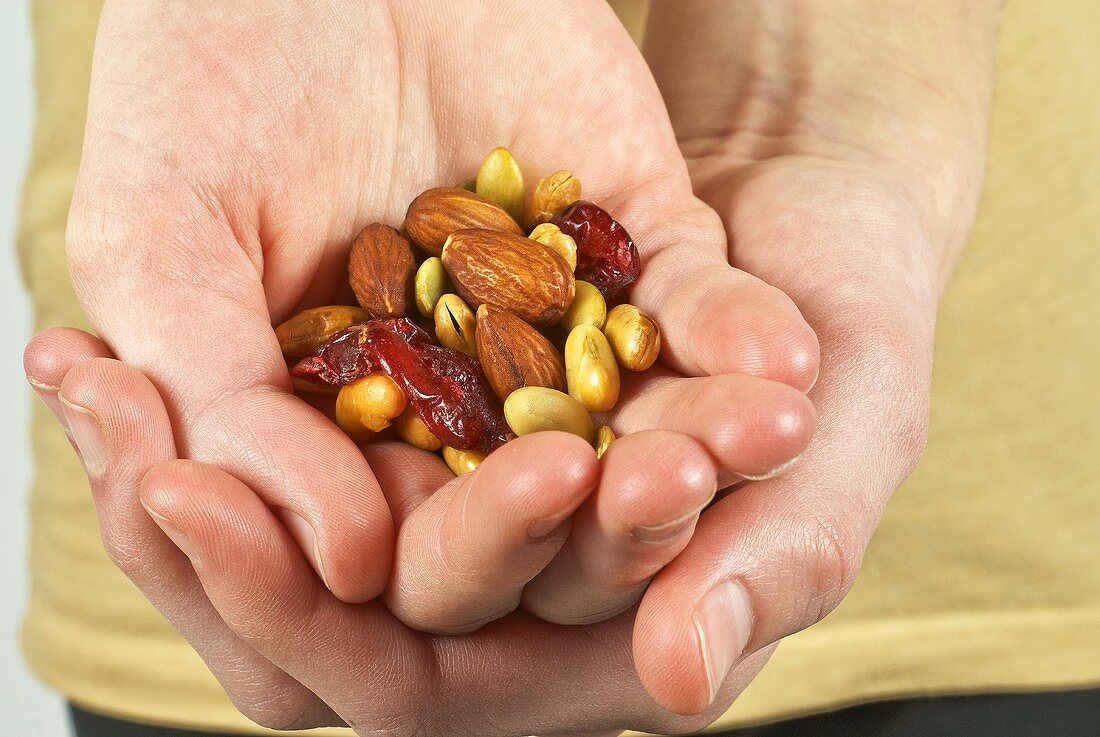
{"points": [[455, 324], [605, 436], [590, 369], [551, 236], [587, 308], [552, 195], [301, 334], [462, 461], [430, 284], [367, 406], [413, 431], [470, 185], [536, 408], [501, 180], [633, 336]]}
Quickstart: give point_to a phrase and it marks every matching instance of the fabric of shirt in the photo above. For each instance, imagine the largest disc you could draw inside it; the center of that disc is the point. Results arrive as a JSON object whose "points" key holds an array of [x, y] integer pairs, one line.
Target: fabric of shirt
{"points": [[984, 573]]}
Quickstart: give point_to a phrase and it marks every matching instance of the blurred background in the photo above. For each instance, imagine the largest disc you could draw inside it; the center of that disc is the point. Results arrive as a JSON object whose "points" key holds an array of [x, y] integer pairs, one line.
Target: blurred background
{"points": [[28, 708]]}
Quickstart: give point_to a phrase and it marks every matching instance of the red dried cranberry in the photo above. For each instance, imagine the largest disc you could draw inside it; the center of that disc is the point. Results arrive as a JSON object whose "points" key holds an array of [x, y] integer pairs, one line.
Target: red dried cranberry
{"points": [[606, 257], [446, 387]]}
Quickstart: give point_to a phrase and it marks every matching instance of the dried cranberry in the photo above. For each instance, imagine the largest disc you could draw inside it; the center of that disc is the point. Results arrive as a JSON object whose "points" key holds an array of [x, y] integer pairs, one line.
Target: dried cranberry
{"points": [[338, 361], [446, 387], [606, 257]]}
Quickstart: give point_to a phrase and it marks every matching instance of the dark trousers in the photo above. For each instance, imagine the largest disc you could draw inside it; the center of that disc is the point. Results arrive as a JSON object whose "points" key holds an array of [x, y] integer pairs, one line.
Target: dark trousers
{"points": [[1054, 714]]}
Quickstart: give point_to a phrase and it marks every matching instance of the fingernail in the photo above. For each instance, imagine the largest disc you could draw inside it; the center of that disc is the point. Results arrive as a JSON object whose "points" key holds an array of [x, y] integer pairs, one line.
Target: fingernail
{"points": [[666, 531], [780, 469], [87, 435], [546, 526], [723, 622], [48, 395], [306, 537], [177, 537]]}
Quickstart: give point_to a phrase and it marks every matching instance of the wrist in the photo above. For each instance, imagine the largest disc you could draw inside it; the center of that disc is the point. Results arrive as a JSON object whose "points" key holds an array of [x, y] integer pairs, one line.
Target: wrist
{"points": [[900, 91]]}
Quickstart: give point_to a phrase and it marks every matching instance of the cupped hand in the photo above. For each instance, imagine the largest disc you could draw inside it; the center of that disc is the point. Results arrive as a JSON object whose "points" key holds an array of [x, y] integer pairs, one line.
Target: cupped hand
{"points": [[232, 153], [212, 556], [845, 162]]}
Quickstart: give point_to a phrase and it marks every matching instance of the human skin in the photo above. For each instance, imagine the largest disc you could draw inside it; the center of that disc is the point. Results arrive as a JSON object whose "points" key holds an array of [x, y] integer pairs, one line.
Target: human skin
{"points": [[859, 226], [233, 151]]}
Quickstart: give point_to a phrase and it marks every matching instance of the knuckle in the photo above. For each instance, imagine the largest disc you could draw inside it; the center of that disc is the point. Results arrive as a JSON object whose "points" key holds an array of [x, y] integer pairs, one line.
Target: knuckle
{"points": [[275, 706], [833, 559]]}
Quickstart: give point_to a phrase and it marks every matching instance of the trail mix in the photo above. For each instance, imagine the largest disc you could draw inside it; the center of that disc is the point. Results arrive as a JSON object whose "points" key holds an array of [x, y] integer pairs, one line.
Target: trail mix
{"points": [[492, 315]]}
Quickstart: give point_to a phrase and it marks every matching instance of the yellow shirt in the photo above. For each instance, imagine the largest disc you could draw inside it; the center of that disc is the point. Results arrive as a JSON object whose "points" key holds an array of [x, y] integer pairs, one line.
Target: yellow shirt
{"points": [[984, 574]]}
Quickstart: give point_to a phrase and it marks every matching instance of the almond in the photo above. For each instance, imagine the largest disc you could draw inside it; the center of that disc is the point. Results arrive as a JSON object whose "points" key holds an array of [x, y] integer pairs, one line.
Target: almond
{"points": [[436, 214], [511, 272], [381, 267], [513, 354]]}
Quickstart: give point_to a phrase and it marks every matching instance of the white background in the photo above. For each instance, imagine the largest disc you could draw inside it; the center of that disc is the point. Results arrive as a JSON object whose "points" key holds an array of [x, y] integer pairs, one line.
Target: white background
{"points": [[26, 708]]}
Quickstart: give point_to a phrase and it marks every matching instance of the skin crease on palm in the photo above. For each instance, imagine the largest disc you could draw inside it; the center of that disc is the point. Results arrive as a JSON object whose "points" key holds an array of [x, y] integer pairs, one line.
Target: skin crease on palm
{"points": [[842, 233]]}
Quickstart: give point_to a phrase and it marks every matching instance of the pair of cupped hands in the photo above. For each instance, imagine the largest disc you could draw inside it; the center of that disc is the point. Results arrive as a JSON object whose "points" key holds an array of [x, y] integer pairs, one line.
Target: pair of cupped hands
{"points": [[231, 155]]}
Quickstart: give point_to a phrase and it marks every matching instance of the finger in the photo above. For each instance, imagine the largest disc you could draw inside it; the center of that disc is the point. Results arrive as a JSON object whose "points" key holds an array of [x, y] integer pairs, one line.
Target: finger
{"points": [[119, 421], [376, 673], [177, 291], [48, 357], [465, 555], [776, 556], [653, 485], [408, 475], [714, 318], [753, 427]]}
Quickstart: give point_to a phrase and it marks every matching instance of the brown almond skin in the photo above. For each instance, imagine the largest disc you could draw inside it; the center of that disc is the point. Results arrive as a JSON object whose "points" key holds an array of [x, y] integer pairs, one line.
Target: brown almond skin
{"points": [[512, 272], [514, 355], [434, 215], [381, 269]]}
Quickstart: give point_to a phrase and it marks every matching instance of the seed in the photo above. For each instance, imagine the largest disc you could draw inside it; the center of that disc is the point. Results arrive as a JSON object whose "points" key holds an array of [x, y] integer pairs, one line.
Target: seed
{"points": [[300, 335], [552, 195], [367, 406], [605, 436], [590, 369], [462, 462], [455, 324], [536, 408], [431, 283], [551, 236], [501, 180], [587, 308], [633, 336], [413, 431]]}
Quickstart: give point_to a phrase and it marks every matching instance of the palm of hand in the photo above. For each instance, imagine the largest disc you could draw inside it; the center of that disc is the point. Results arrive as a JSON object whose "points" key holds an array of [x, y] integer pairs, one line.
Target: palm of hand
{"points": [[265, 167]]}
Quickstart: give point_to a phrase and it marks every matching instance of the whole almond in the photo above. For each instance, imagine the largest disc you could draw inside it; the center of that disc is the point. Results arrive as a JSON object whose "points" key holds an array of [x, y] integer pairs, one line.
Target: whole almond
{"points": [[500, 179], [300, 335], [514, 355], [552, 195], [434, 215], [511, 272], [381, 267]]}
